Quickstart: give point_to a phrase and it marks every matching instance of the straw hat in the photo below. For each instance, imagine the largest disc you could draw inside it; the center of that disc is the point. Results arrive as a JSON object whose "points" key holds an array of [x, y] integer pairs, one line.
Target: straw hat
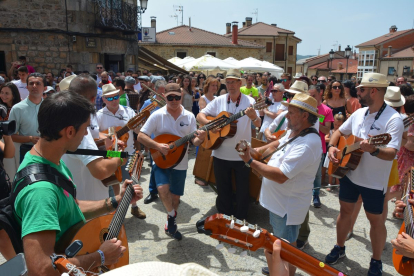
{"points": [[233, 74], [298, 75], [305, 102], [373, 80], [64, 84], [109, 90], [393, 97], [298, 87], [172, 88]]}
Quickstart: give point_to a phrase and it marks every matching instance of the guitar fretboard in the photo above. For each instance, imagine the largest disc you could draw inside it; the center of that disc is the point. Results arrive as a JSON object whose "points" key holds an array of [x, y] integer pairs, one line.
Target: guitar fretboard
{"points": [[408, 211]]}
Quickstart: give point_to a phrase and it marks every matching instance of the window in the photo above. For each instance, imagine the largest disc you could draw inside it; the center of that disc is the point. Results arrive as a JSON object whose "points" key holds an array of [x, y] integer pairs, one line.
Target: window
{"points": [[290, 70], [181, 54], [391, 71], [290, 50], [367, 62], [211, 54], [406, 71], [280, 52], [268, 47]]}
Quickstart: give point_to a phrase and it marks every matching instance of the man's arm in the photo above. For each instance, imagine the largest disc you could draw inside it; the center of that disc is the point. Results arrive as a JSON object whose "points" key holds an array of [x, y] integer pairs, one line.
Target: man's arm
{"points": [[325, 128], [103, 168], [24, 139], [202, 118], [8, 147]]}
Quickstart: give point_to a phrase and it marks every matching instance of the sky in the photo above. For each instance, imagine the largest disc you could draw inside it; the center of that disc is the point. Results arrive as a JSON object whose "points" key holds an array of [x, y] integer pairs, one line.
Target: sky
{"points": [[320, 24]]}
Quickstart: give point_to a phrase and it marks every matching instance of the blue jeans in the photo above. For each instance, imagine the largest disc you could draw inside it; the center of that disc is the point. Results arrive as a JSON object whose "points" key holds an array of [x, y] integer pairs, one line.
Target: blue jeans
{"points": [[318, 178], [281, 230], [152, 185]]}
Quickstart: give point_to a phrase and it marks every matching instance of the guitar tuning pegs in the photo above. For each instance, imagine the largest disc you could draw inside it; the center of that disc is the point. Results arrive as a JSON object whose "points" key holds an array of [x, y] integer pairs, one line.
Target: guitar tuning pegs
{"points": [[256, 233], [244, 228], [232, 222], [243, 254], [65, 274], [231, 250], [219, 246]]}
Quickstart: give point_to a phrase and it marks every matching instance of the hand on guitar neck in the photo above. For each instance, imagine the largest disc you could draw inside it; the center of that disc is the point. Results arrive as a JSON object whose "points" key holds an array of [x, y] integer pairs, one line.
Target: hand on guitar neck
{"points": [[277, 266]]}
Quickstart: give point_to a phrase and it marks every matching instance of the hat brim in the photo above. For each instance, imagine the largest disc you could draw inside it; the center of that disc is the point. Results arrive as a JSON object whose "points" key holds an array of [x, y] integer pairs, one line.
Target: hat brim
{"points": [[301, 107], [401, 102], [112, 93], [295, 91], [372, 85], [172, 93], [233, 77]]}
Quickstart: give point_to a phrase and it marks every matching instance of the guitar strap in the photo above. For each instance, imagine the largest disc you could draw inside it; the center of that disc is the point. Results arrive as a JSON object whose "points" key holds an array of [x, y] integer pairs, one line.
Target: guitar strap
{"points": [[280, 124], [303, 133], [103, 153]]}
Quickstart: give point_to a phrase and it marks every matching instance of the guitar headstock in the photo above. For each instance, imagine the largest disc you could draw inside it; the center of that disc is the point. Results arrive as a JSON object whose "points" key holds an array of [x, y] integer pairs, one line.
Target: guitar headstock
{"points": [[409, 120], [138, 119], [235, 232], [380, 140], [262, 103], [135, 165], [242, 146]]}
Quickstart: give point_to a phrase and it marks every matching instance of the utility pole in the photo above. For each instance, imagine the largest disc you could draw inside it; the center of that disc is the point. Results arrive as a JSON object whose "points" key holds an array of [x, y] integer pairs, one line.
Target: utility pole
{"points": [[180, 9]]}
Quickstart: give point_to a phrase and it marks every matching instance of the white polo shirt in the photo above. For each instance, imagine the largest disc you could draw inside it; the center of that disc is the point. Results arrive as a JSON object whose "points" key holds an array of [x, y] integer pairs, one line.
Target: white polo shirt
{"points": [[227, 149], [87, 186], [161, 122], [107, 119], [94, 127], [293, 196], [373, 172], [22, 88]]}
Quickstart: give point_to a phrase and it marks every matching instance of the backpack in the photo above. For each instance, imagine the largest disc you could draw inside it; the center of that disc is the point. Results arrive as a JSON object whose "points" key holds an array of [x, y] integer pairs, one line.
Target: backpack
{"points": [[27, 176]]}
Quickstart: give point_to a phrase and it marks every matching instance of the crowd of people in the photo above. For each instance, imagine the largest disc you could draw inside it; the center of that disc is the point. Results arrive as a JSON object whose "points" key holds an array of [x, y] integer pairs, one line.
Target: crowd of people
{"points": [[307, 118]]}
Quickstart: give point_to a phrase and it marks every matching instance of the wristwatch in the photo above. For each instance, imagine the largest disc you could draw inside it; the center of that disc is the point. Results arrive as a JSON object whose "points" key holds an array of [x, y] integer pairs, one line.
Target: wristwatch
{"points": [[249, 162], [114, 202], [329, 146], [375, 153]]}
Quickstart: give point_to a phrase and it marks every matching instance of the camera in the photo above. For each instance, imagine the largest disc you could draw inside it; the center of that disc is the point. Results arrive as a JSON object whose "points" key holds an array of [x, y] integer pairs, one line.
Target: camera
{"points": [[6, 127]]}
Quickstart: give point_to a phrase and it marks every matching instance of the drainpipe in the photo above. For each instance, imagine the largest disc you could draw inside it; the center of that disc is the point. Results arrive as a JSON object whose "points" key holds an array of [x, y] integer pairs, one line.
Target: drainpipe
{"points": [[286, 48], [274, 49]]}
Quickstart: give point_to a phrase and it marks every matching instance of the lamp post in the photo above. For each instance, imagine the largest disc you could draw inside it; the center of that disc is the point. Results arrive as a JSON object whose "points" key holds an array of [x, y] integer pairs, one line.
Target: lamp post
{"points": [[143, 4], [347, 55], [331, 56]]}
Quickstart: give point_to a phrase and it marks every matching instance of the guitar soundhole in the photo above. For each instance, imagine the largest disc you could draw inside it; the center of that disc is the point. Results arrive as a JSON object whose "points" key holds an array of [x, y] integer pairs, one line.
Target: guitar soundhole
{"points": [[103, 234]]}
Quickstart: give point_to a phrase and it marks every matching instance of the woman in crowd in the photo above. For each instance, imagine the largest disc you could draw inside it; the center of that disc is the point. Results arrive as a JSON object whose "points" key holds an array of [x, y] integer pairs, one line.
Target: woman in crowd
{"points": [[314, 79], [258, 80], [335, 98], [352, 102], [210, 87], [187, 93], [201, 78]]}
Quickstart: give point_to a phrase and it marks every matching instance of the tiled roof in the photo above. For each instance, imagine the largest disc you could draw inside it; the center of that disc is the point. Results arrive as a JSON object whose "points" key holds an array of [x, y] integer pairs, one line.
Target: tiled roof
{"points": [[352, 68], [262, 29], [182, 35], [406, 53], [383, 38], [334, 66]]}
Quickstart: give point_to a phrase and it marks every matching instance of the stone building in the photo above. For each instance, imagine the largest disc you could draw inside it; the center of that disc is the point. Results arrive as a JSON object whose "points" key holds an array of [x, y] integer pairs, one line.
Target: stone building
{"points": [[54, 33], [398, 64], [279, 45]]}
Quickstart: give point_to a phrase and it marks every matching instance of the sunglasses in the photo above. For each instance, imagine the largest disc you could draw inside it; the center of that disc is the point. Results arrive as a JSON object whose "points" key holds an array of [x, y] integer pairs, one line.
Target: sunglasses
{"points": [[283, 80], [274, 90], [321, 80], [173, 97], [113, 98], [336, 87], [329, 79], [362, 89], [314, 79], [99, 67]]}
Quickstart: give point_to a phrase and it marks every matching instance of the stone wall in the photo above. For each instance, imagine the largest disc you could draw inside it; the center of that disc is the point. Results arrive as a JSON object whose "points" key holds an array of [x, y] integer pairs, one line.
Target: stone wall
{"points": [[398, 66]]}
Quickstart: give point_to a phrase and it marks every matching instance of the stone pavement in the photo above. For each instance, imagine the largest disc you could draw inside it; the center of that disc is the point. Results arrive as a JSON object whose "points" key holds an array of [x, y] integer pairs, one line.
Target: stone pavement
{"points": [[148, 242]]}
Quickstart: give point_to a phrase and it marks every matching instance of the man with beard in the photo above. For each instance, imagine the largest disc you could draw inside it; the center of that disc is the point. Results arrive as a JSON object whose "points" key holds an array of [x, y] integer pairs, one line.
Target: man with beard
{"points": [[370, 179]]}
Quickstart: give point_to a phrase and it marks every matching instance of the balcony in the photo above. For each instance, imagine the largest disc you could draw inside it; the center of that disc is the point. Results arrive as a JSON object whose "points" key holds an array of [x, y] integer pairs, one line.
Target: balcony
{"points": [[116, 15]]}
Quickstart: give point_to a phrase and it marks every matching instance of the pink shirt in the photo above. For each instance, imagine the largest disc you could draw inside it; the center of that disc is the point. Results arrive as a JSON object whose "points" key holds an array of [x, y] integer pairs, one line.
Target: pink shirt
{"points": [[326, 112]]}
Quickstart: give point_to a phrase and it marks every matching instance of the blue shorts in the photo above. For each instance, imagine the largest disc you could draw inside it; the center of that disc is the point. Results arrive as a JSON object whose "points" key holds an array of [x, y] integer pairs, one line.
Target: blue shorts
{"points": [[373, 199], [283, 231], [175, 178]]}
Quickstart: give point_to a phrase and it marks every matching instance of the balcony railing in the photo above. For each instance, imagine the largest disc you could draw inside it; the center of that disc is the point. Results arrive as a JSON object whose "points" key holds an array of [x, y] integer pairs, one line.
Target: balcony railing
{"points": [[116, 15]]}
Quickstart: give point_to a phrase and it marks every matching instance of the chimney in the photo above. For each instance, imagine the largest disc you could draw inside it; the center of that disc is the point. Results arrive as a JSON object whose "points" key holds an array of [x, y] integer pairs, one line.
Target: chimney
{"points": [[228, 28], [248, 21], [340, 66], [389, 51], [235, 32], [274, 24], [339, 47], [393, 29], [244, 24], [189, 24], [153, 22]]}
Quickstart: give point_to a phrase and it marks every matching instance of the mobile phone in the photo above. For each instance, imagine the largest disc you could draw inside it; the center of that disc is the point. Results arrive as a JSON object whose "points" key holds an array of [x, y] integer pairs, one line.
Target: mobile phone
{"points": [[73, 249], [15, 266]]}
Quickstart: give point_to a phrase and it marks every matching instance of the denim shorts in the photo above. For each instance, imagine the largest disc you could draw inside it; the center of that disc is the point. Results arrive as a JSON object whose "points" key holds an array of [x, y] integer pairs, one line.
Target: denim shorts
{"points": [[373, 199], [175, 178], [283, 231]]}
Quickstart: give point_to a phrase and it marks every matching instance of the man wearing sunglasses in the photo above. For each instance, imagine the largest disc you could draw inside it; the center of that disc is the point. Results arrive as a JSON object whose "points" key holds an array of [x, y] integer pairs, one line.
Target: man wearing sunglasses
{"points": [[116, 115], [99, 70], [322, 79], [370, 179], [172, 119], [286, 80]]}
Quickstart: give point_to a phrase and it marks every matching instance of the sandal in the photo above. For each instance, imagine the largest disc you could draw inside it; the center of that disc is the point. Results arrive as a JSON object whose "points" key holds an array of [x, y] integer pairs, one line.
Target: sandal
{"points": [[200, 182]]}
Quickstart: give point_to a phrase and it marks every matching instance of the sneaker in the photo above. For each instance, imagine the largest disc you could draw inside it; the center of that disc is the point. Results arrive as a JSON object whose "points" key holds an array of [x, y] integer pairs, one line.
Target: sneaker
{"points": [[336, 253], [265, 270], [300, 244], [375, 268], [316, 201], [138, 213], [171, 228]]}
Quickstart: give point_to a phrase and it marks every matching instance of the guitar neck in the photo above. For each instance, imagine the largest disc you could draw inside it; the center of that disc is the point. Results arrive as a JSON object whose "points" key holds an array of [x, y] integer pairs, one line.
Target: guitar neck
{"points": [[190, 136], [408, 211]]}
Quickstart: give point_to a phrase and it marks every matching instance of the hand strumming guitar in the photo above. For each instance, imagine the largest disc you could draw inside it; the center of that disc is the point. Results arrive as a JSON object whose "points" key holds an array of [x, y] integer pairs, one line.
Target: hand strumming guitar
{"points": [[404, 245], [163, 148], [113, 250], [332, 154], [245, 156]]}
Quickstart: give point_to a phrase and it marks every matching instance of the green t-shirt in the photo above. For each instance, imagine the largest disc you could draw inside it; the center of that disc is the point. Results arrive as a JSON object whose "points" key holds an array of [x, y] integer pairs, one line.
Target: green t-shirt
{"points": [[123, 100], [43, 205], [246, 91]]}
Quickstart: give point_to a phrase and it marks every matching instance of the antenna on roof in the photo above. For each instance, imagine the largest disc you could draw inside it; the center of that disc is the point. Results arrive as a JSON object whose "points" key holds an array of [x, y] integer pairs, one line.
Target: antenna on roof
{"points": [[319, 50], [256, 12], [176, 17], [180, 9]]}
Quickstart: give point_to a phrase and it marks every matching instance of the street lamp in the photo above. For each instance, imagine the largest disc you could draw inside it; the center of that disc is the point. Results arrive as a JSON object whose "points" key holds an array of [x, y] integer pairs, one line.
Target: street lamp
{"points": [[347, 55], [143, 4], [331, 56]]}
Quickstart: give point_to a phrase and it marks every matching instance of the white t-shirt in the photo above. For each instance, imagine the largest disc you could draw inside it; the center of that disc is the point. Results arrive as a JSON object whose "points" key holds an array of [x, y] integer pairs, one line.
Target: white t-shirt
{"points": [[373, 172], [227, 149], [267, 120], [161, 122], [87, 186], [94, 127], [272, 127], [22, 89], [137, 87], [293, 196], [107, 119]]}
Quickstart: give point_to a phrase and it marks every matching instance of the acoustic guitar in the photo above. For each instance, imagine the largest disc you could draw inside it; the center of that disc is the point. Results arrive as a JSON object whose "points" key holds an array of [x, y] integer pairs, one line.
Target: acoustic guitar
{"points": [[251, 237], [95, 231], [64, 266], [405, 265], [350, 153], [178, 145], [229, 128]]}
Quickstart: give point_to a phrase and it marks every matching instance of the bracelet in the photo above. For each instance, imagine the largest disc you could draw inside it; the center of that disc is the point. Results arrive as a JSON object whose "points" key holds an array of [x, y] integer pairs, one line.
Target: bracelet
{"points": [[102, 256], [107, 204], [255, 119], [329, 146], [249, 162], [114, 202], [376, 152]]}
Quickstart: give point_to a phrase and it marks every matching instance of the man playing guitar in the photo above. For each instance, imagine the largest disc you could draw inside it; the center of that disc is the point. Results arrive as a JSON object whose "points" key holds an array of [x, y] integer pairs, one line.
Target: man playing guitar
{"points": [[370, 178], [171, 119], [226, 160], [46, 211]]}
